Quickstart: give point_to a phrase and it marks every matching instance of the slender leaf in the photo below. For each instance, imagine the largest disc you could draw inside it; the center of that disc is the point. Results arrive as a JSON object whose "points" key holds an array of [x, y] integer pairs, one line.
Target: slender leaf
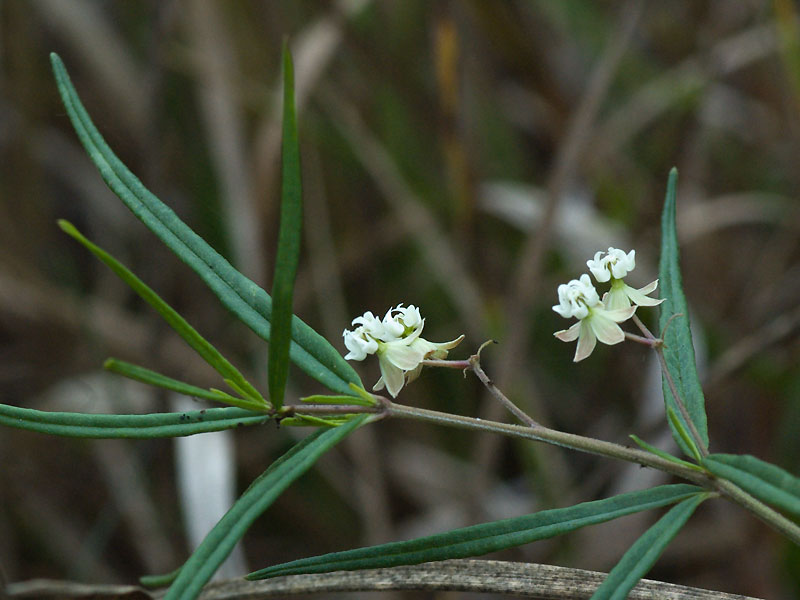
{"points": [[765, 481], [288, 254], [665, 455], [198, 343], [251, 304], [679, 427], [484, 538], [678, 349], [154, 425], [349, 400], [149, 377], [640, 557], [256, 499]]}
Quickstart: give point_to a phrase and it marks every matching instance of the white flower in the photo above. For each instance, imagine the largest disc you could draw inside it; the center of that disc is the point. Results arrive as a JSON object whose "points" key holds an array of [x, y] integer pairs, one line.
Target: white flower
{"points": [[397, 342], [359, 343], [576, 298], [598, 324], [579, 299], [614, 264]]}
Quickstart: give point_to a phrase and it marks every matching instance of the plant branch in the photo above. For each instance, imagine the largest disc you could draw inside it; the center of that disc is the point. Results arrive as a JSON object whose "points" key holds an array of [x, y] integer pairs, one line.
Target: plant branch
{"points": [[540, 433]]}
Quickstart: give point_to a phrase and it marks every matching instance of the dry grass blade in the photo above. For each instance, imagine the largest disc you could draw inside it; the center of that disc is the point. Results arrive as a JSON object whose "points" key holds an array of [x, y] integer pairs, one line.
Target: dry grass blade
{"points": [[544, 582]]}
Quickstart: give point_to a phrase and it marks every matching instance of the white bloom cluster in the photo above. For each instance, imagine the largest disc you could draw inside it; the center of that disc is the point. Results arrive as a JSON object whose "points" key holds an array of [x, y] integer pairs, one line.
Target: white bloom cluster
{"points": [[397, 342], [599, 319]]}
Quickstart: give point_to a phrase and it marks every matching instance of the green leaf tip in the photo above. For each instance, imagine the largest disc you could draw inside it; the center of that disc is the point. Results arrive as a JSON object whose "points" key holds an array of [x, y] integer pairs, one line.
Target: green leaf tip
{"points": [[678, 347]]}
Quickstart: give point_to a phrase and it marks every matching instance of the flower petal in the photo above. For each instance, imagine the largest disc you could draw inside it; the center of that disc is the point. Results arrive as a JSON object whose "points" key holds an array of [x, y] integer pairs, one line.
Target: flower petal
{"points": [[606, 330], [401, 355], [569, 335], [391, 375], [618, 315], [586, 341], [640, 299]]}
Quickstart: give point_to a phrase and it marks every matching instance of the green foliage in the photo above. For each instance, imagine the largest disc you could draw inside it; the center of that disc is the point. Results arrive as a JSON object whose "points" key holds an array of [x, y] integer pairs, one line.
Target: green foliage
{"points": [[678, 348], [765, 481], [155, 425], [636, 562], [149, 377], [487, 537], [251, 504], [288, 254], [251, 304], [199, 344]]}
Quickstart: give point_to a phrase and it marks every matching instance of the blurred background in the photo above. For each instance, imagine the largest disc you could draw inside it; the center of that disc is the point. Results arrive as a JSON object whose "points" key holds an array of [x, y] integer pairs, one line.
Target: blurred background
{"points": [[466, 157]]}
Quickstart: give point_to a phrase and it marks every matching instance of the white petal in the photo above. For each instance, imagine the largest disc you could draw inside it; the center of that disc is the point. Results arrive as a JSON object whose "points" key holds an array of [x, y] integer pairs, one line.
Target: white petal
{"points": [[379, 385], [618, 315], [392, 377], [403, 356], [569, 335], [606, 330], [638, 297], [413, 373], [586, 342], [650, 287]]}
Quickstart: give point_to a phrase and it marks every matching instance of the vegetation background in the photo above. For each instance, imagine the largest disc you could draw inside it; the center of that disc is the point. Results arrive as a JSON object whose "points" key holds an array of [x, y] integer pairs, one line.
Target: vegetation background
{"points": [[466, 157]]}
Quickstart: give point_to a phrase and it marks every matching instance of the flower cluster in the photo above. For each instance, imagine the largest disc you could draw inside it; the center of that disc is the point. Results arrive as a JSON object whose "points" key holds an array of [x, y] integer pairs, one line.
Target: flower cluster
{"points": [[397, 342], [599, 319]]}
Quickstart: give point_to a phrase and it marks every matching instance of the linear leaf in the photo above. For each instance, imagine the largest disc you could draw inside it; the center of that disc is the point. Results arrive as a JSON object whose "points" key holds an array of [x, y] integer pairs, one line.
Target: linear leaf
{"points": [[219, 542], [288, 253], [251, 304], [154, 425], [678, 348], [198, 343], [765, 481], [640, 557], [131, 371], [665, 455], [484, 538]]}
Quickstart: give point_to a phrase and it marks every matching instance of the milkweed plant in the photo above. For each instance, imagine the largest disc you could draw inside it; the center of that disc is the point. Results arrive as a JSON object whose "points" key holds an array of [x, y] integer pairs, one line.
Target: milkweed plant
{"points": [[396, 339]]}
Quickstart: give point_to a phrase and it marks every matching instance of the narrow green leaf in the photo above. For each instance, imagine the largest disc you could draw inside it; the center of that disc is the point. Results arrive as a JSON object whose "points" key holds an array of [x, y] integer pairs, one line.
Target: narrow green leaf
{"points": [[219, 542], [767, 482], [679, 427], [665, 455], [349, 400], [154, 425], [288, 253], [198, 343], [640, 557], [678, 349], [251, 304], [149, 377], [484, 538]]}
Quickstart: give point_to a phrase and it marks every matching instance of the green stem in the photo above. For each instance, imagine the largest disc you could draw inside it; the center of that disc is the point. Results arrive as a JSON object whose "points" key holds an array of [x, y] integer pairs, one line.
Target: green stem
{"points": [[763, 512], [540, 433]]}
